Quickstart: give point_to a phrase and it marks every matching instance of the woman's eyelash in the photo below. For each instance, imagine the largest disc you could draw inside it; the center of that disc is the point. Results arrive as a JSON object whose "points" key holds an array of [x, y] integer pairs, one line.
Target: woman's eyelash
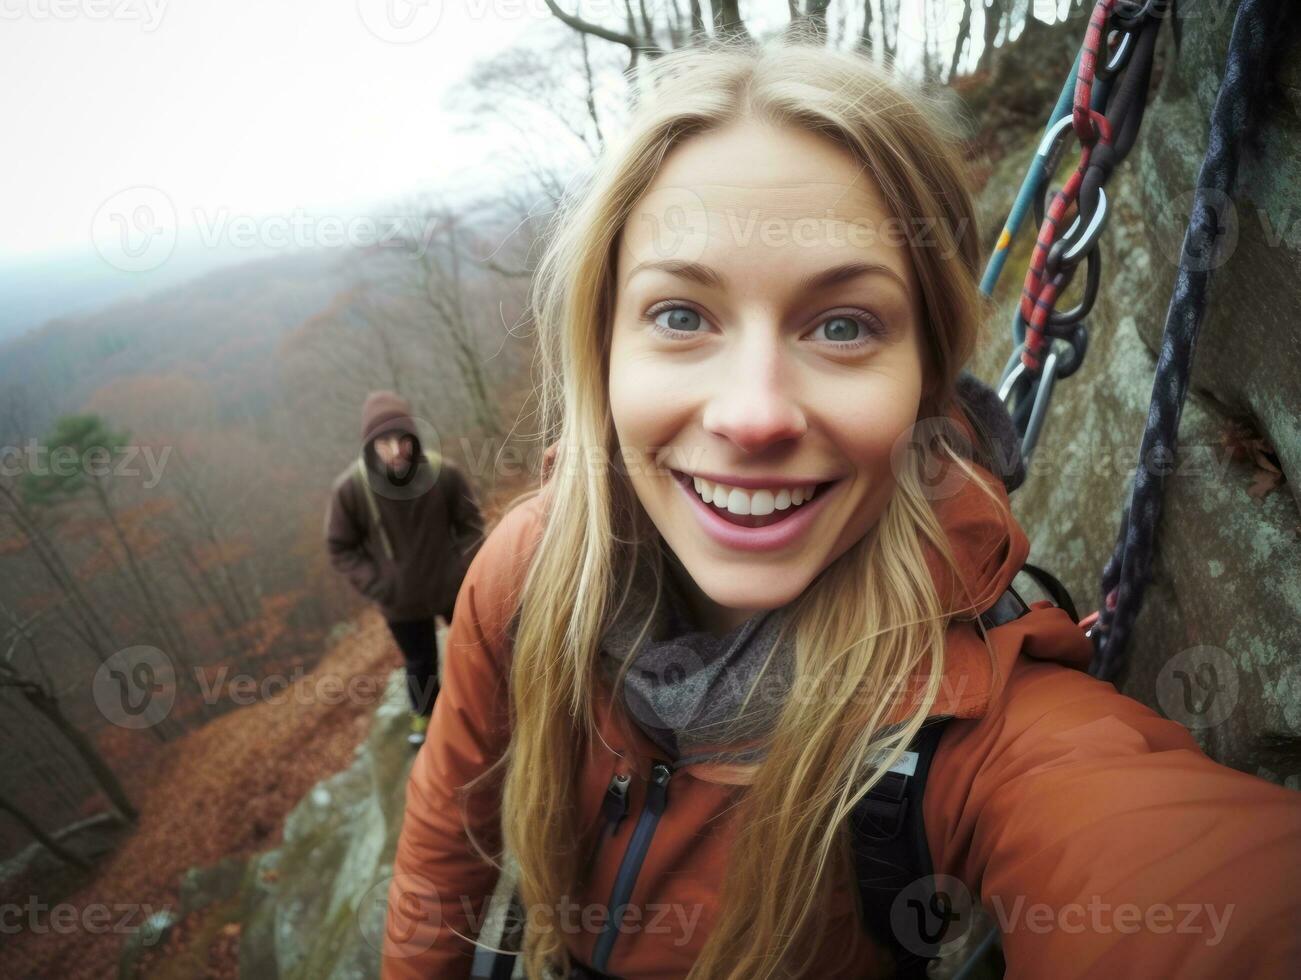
{"points": [[871, 326]]}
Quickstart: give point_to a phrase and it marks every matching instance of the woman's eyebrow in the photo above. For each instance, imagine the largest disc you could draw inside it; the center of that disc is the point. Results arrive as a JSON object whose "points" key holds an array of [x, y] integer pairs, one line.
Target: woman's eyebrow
{"points": [[705, 276]]}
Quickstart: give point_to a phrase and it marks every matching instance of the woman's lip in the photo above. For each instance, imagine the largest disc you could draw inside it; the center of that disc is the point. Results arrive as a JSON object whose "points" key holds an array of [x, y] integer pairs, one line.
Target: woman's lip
{"points": [[758, 482], [770, 538]]}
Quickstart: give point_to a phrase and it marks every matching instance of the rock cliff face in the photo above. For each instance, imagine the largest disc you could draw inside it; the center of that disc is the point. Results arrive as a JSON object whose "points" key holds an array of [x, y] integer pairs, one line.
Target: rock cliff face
{"points": [[1227, 588], [313, 907]]}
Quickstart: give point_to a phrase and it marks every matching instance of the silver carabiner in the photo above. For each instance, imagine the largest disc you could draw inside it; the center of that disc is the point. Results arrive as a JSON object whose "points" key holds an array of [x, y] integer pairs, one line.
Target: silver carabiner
{"points": [[1043, 393]]}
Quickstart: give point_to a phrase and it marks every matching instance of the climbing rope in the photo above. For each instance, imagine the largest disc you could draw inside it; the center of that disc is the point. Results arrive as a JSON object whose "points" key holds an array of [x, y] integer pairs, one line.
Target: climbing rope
{"points": [[1257, 35], [1106, 123]]}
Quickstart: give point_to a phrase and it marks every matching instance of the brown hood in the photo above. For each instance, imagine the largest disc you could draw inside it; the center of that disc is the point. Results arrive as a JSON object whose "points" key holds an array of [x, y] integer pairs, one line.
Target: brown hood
{"points": [[384, 411]]}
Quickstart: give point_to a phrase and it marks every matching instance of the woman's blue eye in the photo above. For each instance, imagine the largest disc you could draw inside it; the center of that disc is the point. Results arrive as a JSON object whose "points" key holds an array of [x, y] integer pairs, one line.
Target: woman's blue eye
{"points": [[841, 328], [679, 318]]}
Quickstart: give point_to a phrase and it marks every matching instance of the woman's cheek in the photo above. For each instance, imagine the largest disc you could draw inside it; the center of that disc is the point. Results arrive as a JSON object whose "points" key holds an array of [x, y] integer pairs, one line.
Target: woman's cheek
{"points": [[871, 417]]}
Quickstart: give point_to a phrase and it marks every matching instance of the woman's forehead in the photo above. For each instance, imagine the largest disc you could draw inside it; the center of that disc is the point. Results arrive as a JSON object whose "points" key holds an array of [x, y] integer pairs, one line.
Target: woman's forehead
{"points": [[777, 228]]}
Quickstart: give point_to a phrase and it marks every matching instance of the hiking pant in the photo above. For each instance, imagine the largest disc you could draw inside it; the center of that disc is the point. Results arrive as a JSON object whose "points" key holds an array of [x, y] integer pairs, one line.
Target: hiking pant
{"points": [[419, 645]]}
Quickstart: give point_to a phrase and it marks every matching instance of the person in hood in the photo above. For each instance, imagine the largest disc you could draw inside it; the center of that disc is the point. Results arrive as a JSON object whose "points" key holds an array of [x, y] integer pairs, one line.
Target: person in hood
{"points": [[761, 562], [403, 525]]}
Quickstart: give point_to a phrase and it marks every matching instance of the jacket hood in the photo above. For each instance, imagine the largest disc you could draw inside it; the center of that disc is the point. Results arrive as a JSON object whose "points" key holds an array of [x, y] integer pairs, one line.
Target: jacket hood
{"points": [[385, 411]]}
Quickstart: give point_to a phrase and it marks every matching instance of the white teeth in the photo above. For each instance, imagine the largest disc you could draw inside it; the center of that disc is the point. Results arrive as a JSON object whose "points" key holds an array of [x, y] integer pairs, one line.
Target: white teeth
{"points": [[738, 502], [757, 502]]}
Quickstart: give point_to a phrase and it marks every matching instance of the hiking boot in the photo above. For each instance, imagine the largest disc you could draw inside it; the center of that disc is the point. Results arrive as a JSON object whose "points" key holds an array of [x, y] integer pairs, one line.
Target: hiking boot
{"points": [[419, 725]]}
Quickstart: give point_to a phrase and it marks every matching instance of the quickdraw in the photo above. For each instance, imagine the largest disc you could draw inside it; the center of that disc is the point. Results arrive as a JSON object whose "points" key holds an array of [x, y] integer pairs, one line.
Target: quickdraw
{"points": [[1106, 123], [1105, 119]]}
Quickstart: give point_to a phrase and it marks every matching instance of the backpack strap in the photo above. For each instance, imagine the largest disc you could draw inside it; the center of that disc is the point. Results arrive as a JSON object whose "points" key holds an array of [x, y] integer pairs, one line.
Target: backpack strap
{"points": [[360, 475], [888, 836]]}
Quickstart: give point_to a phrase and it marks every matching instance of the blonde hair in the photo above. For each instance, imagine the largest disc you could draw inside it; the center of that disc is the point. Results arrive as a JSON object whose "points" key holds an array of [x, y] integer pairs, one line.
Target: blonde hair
{"points": [[791, 849]]}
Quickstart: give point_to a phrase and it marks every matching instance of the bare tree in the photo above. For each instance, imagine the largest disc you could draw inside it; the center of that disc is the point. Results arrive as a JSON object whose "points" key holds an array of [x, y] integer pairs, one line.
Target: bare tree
{"points": [[865, 44], [996, 11], [39, 692], [963, 39], [889, 30], [46, 840], [83, 617]]}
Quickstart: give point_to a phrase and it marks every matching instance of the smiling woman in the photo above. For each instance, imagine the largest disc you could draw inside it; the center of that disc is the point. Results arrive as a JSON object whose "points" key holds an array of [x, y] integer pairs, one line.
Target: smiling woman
{"points": [[773, 361], [767, 552]]}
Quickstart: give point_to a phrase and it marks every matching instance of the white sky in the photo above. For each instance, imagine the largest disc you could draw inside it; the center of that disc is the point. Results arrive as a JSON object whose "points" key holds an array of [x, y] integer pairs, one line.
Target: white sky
{"points": [[243, 107], [252, 105]]}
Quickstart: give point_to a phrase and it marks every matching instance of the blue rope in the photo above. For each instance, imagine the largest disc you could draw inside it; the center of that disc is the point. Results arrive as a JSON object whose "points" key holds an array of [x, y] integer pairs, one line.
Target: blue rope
{"points": [[1257, 35]]}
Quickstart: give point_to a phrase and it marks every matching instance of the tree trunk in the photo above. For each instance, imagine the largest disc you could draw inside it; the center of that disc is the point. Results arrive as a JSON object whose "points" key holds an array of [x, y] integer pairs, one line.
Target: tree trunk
{"points": [[964, 35], [90, 627], [993, 20], [105, 778], [864, 44], [46, 841], [727, 19]]}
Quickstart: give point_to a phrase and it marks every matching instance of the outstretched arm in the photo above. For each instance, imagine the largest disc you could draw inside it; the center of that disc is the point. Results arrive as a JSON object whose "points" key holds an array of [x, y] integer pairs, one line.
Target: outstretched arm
{"points": [[1105, 843]]}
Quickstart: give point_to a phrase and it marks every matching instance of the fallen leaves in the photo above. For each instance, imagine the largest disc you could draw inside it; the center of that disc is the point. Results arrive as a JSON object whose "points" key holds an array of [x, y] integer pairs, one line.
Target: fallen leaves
{"points": [[1246, 444]]}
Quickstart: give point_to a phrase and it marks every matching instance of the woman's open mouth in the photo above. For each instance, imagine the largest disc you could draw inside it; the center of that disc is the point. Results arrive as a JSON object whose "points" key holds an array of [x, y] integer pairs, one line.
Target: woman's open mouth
{"points": [[753, 518]]}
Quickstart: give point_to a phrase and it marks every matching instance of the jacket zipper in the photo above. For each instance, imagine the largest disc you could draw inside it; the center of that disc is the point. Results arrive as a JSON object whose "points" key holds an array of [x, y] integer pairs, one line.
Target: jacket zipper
{"points": [[615, 806], [657, 798]]}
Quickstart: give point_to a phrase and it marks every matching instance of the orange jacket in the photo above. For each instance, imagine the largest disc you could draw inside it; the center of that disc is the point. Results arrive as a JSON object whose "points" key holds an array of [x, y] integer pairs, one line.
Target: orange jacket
{"points": [[1099, 835]]}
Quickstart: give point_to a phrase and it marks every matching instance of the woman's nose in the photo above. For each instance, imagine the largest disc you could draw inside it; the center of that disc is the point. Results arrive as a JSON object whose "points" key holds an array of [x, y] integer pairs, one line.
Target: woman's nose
{"points": [[754, 404]]}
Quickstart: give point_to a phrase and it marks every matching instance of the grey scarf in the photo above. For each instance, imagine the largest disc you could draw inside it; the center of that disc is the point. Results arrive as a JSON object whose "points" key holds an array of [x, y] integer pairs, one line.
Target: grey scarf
{"points": [[693, 693]]}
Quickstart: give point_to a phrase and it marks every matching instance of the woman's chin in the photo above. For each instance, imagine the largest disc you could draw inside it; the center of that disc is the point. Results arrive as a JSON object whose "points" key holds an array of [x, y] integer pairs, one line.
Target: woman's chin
{"points": [[747, 589]]}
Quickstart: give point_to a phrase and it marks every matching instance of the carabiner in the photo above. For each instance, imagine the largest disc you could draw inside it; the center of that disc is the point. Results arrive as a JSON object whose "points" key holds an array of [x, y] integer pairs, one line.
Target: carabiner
{"points": [[1049, 156], [1093, 270], [1043, 393], [1078, 341], [1129, 14], [1118, 58]]}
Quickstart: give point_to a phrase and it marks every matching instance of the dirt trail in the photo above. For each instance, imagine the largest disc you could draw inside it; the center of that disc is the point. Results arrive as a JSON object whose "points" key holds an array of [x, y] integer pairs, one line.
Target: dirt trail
{"points": [[222, 790]]}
